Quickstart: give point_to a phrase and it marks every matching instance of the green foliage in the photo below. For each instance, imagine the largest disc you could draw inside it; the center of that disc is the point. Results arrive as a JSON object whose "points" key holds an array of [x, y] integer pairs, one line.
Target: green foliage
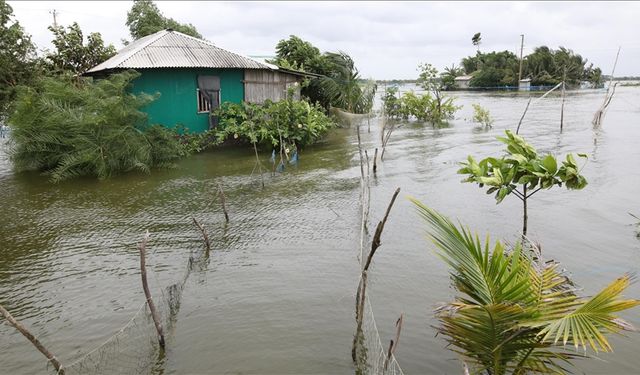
{"points": [[448, 77], [545, 67], [495, 69], [340, 85], [515, 313], [482, 116], [433, 107], [476, 40], [71, 53], [391, 103], [18, 64], [144, 18], [292, 121], [68, 128], [522, 167]]}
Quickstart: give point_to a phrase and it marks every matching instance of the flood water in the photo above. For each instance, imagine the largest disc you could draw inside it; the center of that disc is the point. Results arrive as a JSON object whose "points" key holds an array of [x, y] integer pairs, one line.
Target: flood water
{"points": [[277, 296]]}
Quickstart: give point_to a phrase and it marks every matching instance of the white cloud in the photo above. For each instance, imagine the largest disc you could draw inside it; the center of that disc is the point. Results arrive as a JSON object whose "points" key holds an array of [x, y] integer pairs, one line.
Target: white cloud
{"points": [[386, 39]]}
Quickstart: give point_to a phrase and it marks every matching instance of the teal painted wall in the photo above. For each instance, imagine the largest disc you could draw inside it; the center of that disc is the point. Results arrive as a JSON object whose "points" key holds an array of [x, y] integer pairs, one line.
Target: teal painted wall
{"points": [[177, 103]]}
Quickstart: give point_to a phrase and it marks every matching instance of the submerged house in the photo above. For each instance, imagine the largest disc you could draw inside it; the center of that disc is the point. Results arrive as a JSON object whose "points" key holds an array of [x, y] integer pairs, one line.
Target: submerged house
{"points": [[193, 77]]}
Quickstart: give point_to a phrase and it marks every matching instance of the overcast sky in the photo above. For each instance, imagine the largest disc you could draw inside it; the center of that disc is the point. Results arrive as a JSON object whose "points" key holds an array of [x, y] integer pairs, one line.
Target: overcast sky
{"points": [[386, 39]]}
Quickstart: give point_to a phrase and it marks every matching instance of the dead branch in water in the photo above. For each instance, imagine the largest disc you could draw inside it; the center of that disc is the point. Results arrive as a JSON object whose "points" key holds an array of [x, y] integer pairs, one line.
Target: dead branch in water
{"points": [[597, 117], [393, 345], [205, 236], [523, 114], [376, 237], [34, 340], [145, 286], [223, 202], [375, 159], [258, 164], [386, 134]]}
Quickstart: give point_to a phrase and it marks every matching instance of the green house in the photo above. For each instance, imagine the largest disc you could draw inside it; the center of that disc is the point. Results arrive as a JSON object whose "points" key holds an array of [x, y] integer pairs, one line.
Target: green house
{"points": [[193, 77]]}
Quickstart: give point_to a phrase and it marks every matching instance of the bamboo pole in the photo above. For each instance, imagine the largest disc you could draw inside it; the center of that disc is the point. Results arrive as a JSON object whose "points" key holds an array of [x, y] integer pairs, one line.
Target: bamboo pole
{"points": [[523, 114], [564, 80], [34, 340], [145, 286], [223, 202]]}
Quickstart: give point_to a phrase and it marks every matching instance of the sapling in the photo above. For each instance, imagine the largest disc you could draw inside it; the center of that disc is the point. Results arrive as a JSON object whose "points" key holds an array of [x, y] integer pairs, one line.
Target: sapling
{"points": [[482, 116], [522, 172]]}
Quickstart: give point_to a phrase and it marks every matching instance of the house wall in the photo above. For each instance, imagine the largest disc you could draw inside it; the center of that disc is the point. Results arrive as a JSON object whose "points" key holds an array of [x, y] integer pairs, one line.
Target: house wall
{"points": [[260, 85], [177, 103]]}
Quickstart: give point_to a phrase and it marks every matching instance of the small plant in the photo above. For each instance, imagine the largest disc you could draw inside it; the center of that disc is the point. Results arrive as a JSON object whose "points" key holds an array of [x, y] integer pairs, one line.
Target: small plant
{"points": [[482, 116], [522, 172], [514, 313], [441, 108], [391, 102]]}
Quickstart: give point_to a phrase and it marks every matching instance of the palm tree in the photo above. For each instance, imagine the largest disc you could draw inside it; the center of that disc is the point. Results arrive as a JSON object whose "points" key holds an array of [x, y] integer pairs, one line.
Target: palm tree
{"points": [[476, 39], [515, 313]]}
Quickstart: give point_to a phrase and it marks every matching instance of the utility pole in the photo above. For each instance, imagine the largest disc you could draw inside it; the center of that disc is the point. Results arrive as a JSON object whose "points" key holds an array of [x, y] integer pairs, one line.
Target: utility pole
{"points": [[55, 20], [521, 47]]}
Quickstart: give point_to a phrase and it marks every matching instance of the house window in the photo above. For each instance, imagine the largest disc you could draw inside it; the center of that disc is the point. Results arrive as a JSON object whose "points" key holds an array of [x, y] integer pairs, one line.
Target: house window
{"points": [[204, 105]]}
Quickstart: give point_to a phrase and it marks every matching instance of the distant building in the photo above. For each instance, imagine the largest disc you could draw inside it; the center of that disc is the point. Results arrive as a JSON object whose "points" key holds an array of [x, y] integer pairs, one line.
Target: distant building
{"points": [[462, 82], [524, 84], [194, 77]]}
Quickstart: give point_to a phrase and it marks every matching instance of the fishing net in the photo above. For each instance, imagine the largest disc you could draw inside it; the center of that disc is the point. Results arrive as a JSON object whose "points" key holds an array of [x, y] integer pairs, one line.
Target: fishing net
{"points": [[134, 349], [369, 355]]}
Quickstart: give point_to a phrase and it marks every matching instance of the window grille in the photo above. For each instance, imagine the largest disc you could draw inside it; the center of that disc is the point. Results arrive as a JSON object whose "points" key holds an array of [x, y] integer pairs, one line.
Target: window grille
{"points": [[204, 104]]}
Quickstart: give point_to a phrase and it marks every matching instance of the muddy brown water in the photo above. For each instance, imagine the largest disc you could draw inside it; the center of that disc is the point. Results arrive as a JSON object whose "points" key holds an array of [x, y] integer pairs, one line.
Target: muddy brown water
{"points": [[278, 293]]}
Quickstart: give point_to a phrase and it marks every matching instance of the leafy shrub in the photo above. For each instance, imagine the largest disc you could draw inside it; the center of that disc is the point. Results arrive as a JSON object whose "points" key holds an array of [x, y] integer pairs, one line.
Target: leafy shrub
{"points": [[290, 121], [67, 127], [482, 116], [423, 107], [391, 102]]}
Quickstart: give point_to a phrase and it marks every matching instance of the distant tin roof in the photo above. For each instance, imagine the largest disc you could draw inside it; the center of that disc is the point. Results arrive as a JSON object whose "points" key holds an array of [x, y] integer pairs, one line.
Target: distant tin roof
{"points": [[463, 78], [172, 49]]}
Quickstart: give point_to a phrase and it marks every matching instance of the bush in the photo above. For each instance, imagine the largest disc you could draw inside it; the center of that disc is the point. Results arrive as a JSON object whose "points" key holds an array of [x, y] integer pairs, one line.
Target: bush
{"points": [[294, 122], [67, 127], [482, 116], [423, 107]]}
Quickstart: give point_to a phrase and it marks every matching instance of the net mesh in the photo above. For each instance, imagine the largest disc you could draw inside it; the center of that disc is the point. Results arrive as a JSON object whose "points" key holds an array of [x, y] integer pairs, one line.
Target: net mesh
{"points": [[369, 353], [134, 349]]}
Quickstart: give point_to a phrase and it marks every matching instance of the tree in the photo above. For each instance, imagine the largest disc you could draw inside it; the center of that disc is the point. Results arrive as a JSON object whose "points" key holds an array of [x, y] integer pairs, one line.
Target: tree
{"points": [[522, 168], [515, 313], [449, 77], [295, 53], [428, 79], [145, 18], [68, 128], [476, 40], [72, 54], [18, 63]]}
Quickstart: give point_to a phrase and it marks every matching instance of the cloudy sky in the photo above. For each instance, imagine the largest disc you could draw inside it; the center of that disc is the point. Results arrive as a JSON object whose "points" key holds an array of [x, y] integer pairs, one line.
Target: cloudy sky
{"points": [[386, 39]]}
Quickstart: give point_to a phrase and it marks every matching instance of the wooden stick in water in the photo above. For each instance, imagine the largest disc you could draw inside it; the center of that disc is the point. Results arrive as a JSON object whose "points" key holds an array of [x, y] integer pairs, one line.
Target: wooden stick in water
{"points": [[145, 286], [34, 340], [223, 202], [205, 236], [376, 237]]}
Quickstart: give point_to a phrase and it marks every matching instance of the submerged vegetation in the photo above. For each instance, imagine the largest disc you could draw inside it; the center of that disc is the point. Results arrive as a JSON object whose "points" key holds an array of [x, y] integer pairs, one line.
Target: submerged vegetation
{"points": [[289, 121], [67, 128], [482, 116], [522, 172], [514, 313]]}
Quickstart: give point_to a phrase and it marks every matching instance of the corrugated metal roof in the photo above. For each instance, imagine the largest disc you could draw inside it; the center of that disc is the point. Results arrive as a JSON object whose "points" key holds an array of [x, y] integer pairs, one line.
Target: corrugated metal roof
{"points": [[172, 49]]}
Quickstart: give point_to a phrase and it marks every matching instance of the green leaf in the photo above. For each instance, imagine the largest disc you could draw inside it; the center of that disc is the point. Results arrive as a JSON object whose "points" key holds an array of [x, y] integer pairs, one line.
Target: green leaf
{"points": [[549, 163]]}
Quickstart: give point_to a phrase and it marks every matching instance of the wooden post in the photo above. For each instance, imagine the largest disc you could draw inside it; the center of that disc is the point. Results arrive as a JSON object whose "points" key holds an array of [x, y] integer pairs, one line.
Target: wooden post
{"points": [[376, 237], [564, 80], [375, 158], [223, 202], [259, 165], [145, 286], [394, 343], [34, 340], [205, 236]]}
